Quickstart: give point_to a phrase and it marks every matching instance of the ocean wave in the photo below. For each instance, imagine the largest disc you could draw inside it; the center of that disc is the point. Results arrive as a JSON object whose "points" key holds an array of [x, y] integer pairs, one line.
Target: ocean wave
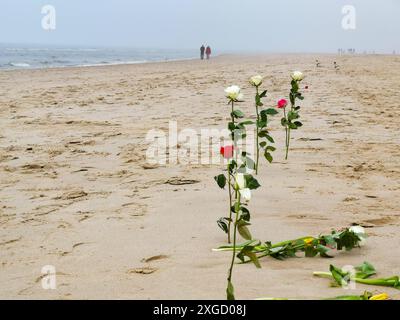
{"points": [[19, 64]]}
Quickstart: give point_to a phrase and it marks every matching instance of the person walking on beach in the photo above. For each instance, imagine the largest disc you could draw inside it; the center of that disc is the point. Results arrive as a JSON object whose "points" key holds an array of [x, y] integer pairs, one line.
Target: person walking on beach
{"points": [[336, 66], [202, 50], [208, 52]]}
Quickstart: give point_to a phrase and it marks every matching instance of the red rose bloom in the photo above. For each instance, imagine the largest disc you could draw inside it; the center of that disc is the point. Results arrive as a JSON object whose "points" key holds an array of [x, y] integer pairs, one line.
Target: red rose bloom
{"points": [[282, 103], [227, 152]]}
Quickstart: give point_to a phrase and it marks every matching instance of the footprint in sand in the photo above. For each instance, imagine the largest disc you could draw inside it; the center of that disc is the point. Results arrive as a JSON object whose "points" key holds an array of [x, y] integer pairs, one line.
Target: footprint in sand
{"points": [[181, 181], [148, 269], [143, 271]]}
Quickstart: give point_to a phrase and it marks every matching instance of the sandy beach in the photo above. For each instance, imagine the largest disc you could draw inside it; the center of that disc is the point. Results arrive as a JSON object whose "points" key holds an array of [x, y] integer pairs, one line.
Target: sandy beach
{"points": [[77, 192]]}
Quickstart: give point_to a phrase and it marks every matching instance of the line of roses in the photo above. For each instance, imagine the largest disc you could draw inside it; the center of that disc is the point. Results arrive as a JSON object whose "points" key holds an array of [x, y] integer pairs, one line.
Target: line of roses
{"points": [[239, 181]]}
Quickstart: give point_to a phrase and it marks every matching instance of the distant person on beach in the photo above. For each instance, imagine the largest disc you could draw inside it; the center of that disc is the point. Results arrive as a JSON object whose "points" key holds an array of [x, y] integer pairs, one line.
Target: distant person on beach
{"points": [[202, 50], [317, 63], [208, 52], [336, 66]]}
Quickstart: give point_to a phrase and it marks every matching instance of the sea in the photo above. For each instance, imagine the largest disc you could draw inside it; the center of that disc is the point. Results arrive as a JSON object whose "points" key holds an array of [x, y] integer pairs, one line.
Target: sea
{"points": [[37, 57]]}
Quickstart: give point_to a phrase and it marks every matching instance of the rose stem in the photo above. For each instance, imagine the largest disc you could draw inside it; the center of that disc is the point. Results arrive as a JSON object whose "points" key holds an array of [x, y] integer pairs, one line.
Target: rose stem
{"points": [[258, 131], [237, 209]]}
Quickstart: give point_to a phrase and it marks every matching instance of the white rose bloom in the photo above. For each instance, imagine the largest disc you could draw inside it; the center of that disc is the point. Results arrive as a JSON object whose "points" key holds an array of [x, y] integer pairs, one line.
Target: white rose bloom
{"points": [[360, 231], [233, 93], [246, 194], [240, 181], [256, 80], [297, 76]]}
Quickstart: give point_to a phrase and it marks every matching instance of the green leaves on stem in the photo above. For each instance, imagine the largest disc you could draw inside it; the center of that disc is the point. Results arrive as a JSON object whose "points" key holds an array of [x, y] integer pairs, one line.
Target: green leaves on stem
{"points": [[346, 239], [263, 137], [290, 119]]}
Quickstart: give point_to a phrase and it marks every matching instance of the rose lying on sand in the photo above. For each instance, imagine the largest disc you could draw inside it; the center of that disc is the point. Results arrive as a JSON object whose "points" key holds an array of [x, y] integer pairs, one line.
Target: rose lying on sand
{"points": [[233, 93], [362, 274], [365, 296], [311, 246], [227, 152], [256, 80]]}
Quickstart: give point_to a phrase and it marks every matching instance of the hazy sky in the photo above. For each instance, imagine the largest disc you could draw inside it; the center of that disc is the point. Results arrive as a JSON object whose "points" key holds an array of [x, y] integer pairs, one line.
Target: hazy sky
{"points": [[248, 25]]}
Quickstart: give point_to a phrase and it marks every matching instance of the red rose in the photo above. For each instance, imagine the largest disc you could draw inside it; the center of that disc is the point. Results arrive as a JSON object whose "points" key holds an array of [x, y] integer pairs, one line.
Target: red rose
{"points": [[282, 103], [227, 152]]}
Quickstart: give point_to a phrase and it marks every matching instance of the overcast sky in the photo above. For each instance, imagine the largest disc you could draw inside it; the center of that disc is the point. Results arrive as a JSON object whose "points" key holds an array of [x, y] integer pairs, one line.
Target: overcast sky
{"points": [[246, 25]]}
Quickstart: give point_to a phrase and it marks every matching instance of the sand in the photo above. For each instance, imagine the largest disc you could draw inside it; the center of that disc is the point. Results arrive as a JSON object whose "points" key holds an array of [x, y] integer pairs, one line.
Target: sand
{"points": [[76, 191]]}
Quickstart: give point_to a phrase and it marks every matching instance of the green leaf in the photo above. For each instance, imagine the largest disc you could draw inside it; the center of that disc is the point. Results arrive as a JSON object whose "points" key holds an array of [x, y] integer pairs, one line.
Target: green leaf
{"points": [[284, 122], [271, 111], [263, 144], [268, 156], [230, 295], [310, 251], [232, 165], [346, 239], [243, 230], [292, 126], [292, 98], [258, 101], [221, 180], [339, 276], [247, 251], [263, 94], [261, 123], [251, 182], [246, 123], [263, 133], [270, 139], [298, 124], [292, 115], [365, 270], [323, 251], [329, 240], [271, 148], [238, 114], [223, 224], [245, 214], [231, 126]]}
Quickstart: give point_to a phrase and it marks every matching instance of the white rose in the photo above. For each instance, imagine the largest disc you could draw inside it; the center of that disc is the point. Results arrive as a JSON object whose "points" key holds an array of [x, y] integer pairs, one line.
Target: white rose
{"points": [[240, 181], [246, 194], [256, 80], [297, 76], [233, 93], [359, 231]]}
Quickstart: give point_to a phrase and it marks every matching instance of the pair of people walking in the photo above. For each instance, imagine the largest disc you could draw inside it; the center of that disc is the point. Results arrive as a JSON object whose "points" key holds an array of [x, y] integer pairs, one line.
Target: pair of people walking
{"points": [[206, 51]]}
